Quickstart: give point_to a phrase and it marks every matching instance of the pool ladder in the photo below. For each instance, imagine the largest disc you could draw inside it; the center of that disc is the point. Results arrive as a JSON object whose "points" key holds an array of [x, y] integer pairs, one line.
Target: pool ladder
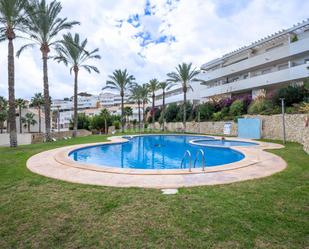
{"points": [[188, 154]]}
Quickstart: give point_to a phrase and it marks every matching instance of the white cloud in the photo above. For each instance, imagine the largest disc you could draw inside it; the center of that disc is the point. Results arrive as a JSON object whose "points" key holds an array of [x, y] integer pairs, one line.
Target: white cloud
{"points": [[203, 29]]}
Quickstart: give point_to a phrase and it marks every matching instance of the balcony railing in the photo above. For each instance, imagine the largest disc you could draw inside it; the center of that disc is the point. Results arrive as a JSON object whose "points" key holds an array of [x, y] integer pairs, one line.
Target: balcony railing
{"points": [[286, 75]]}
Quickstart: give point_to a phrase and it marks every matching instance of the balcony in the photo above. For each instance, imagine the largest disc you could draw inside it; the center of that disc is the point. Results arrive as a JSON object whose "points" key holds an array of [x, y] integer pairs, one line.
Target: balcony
{"points": [[286, 75], [294, 48]]}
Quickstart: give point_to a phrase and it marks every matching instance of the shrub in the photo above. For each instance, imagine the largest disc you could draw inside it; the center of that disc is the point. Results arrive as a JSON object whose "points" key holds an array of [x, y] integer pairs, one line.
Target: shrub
{"points": [[157, 114], [292, 95], [225, 103], [83, 122], [189, 112], [206, 110], [171, 112], [237, 108], [260, 106], [217, 116], [116, 123], [304, 107]]}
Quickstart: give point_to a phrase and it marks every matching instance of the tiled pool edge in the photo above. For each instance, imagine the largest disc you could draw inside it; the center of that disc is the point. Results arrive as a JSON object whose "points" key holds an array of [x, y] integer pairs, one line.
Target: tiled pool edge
{"points": [[57, 161]]}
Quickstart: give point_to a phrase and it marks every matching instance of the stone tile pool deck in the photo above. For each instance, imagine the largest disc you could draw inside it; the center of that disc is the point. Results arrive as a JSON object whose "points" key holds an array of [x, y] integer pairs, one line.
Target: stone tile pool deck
{"points": [[256, 164]]}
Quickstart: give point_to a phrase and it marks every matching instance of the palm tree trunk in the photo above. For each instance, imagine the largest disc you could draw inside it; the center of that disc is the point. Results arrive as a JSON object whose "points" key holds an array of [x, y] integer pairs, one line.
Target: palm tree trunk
{"points": [[20, 125], [28, 127], [139, 114], [40, 119], [184, 109], [1, 127], [11, 82], [46, 96], [144, 116], [122, 112], [75, 102], [153, 110], [163, 109]]}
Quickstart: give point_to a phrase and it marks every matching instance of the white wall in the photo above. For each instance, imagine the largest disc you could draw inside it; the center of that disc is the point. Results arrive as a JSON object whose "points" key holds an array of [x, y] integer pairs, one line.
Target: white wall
{"points": [[22, 139]]}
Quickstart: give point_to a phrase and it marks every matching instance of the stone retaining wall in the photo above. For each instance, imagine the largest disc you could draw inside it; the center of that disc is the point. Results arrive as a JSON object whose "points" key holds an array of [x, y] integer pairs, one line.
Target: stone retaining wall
{"points": [[39, 137], [297, 127]]}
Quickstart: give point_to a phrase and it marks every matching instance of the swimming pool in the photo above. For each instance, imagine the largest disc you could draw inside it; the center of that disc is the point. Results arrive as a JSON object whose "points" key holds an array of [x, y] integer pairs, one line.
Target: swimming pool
{"points": [[153, 152]]}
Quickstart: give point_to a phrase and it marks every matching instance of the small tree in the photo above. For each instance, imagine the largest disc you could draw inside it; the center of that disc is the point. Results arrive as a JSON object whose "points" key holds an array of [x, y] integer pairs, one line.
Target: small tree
{"points": [[29, 120]]}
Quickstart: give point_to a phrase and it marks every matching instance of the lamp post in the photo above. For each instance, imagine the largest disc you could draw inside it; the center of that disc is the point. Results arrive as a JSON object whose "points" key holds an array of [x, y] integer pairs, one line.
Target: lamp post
{"points": [[283, 119]]}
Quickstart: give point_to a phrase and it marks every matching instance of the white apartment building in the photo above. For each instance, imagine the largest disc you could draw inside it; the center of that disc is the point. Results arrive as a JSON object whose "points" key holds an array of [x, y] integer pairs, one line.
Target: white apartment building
{"points": [[175, 94], [108, 99], [64, 109], [269, 63]]}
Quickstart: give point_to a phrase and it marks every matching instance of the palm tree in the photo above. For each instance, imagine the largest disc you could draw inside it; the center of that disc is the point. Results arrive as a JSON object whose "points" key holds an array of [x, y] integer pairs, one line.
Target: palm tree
{"points": [[11, 20], [43, 27], [184, 75], [136, 96], [29, 120], [72, 51], [37, 101], [3, 112], [120, 81], [164, 86], [153, 86], [20, 104]]}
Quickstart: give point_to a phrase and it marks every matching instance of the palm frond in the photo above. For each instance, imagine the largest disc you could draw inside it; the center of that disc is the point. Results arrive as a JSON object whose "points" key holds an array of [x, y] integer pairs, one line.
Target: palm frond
{"points": [[24, 47]]}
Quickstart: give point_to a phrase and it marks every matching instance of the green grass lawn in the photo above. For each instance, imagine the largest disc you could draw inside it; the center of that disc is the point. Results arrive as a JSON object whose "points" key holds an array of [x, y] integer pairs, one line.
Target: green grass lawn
{"points": [[38, 212]]}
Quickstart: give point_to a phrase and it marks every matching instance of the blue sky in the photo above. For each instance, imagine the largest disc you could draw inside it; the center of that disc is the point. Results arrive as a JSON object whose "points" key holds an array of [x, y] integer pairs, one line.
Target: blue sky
{"points": [[150, 37]]}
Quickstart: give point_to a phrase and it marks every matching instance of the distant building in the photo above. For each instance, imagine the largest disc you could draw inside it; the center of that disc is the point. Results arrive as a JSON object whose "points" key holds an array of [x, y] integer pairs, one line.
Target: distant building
{"points": [[87, 103]]}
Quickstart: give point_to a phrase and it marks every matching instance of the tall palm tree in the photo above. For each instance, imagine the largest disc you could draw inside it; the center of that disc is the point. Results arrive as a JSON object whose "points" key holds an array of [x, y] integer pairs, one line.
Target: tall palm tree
{"points": [[20, 104], [37, 101], [120, 81], [12, 19], [72, 51], [164, 86], [153, 86], [136, 96], [29, 120], [43, 28], [3, 112], [184, 75]]}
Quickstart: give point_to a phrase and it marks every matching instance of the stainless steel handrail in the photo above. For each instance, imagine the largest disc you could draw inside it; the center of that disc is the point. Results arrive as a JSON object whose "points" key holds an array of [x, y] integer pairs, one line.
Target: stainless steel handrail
{"points": [[187, 153], [200, 151]]}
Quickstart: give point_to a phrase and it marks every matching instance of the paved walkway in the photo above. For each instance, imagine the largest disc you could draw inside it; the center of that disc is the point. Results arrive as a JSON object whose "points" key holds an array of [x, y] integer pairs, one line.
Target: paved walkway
{"points": [[256, 164]]}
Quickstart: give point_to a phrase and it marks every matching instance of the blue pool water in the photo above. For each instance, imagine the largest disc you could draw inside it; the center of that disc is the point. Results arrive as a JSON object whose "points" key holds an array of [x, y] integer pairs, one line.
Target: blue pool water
{"points": [[153, 152], [225, 143]]}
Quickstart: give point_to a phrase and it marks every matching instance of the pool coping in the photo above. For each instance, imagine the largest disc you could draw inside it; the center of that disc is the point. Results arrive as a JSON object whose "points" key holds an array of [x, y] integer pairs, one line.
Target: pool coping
{"points": [[58, 160]]}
